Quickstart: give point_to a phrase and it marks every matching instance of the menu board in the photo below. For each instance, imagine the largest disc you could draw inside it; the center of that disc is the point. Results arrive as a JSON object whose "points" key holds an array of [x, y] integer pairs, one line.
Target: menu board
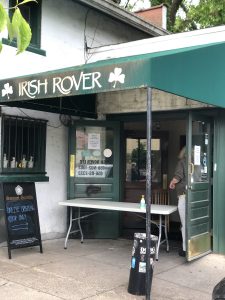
{"points": [[21, 215]]}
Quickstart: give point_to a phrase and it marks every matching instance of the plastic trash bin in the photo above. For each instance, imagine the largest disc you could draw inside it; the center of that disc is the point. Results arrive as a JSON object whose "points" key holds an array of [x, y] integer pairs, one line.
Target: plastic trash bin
{"points": [[219, 291], [137, 284]]}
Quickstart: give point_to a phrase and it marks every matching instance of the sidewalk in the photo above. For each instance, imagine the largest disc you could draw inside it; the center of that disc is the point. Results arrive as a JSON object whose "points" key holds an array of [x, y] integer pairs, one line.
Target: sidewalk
{"points": [[99, 269]]}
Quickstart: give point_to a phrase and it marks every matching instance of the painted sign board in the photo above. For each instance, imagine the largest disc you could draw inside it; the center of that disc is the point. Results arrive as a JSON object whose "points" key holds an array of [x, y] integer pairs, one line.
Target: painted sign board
{"points": [[21, 215], [72, 81]]}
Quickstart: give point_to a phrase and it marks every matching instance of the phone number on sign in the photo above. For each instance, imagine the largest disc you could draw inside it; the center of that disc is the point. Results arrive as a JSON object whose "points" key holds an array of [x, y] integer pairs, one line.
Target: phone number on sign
{"points": [[92, 170]]}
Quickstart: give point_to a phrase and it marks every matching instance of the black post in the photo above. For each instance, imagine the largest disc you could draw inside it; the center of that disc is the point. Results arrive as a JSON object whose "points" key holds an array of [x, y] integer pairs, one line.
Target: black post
{"points": [[149, 267]]}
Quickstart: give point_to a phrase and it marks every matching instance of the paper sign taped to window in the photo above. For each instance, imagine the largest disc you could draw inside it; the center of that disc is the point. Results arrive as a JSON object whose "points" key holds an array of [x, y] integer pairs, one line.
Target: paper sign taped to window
{"points": [[72, 165], [155, 144], [197, 155], [94, 141]]}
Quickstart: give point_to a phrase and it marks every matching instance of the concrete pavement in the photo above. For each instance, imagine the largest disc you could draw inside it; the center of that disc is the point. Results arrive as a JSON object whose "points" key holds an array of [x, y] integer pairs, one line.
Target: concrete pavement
{"points": [[99, 269]]}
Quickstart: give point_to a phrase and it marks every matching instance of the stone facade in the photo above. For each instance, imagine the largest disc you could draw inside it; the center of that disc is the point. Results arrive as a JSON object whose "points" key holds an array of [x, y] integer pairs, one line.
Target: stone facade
{"points": [[135, 101]]}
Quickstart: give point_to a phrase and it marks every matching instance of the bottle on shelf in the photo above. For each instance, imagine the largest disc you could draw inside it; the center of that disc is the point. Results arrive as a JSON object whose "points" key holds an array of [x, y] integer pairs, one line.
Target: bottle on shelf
{"points": [[13, 163], [142, 202], [31, 162], [5, 161], [24, 162]]}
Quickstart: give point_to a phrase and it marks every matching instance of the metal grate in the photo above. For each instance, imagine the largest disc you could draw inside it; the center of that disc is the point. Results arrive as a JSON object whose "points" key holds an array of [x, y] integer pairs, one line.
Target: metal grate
{"points": [[24, 143]]}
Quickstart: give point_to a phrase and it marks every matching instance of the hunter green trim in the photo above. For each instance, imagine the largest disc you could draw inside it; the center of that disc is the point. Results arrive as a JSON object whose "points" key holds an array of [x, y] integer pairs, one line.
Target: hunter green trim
{"points": [[30, 48], [218, 184], [23, 178]]}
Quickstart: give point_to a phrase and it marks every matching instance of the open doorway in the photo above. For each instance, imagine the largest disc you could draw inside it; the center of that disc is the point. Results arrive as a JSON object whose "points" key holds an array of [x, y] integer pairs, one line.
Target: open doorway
{"points": [[168, 137]]}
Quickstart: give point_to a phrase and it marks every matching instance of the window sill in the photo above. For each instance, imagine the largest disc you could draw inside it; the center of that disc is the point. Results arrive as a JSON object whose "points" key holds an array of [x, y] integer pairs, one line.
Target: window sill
{"points": [[24, 178], [30, 48]]}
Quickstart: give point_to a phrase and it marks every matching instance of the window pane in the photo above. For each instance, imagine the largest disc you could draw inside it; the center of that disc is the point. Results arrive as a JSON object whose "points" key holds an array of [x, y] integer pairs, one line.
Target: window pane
{"points": [[23, 144], [94, 152], [136, 150], [199, 155]]}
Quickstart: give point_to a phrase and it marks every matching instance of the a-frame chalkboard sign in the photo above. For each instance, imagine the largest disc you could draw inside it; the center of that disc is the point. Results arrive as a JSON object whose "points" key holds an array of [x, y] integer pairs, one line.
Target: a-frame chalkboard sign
{"points": [[21, 215]]}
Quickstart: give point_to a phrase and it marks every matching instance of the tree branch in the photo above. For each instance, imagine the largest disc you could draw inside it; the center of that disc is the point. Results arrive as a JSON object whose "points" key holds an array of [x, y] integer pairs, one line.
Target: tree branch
{"points": [[185, 9], [173, 10]]}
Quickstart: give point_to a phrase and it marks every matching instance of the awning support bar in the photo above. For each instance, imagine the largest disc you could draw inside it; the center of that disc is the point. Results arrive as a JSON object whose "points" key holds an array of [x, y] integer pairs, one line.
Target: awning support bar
{"points": [[149, 266]]}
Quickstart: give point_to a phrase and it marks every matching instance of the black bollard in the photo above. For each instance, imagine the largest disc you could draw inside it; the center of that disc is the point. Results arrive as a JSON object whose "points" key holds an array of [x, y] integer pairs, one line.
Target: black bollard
{"points": [[219, 291], [137, 284]]}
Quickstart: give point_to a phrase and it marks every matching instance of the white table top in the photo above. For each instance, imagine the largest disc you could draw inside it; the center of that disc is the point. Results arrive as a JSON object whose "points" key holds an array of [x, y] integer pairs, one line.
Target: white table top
{"points": [[120, 206]]}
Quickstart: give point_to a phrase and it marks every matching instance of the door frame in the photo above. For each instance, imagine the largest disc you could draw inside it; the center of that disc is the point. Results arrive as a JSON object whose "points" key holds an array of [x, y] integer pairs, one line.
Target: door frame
{"points": [[197, 245], [114, 181]]}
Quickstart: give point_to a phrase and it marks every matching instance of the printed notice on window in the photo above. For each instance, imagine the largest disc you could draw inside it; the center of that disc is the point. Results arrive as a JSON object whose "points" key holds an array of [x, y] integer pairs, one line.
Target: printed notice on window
{"points": [[80, 139], [94, 141], [72, 165], [93, 170], [197, 154]]}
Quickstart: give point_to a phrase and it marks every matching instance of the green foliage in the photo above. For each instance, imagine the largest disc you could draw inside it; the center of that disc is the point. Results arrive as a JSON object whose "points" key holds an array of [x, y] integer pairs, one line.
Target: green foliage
{"points": [[21, 30], [208, 13], [18, 27], [3, 18], [183, 15]]}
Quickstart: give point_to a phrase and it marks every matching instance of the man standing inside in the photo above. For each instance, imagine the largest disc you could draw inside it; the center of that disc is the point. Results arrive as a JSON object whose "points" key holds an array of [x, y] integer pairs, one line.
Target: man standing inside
{"points": [[179, 182]]}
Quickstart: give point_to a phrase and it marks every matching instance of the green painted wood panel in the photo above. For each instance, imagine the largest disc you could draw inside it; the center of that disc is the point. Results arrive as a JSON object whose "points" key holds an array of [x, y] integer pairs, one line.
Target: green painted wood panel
{"points": [[198, 192], [106, 223], [219, 185]]}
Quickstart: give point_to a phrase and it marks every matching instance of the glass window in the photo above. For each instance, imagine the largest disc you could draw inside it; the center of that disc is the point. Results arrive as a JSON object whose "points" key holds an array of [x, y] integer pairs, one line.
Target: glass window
{"points": [[199, 157], [94, 152], [24, 145], [136, 160]]}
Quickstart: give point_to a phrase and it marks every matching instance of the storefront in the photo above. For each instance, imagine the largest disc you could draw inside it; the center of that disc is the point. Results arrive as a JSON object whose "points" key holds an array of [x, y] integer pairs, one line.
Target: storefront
{"points": [[103, 161]]}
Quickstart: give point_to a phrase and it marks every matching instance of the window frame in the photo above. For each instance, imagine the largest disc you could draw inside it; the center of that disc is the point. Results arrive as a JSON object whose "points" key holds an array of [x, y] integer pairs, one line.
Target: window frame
{"points": [[26, 124], [35, 23]]}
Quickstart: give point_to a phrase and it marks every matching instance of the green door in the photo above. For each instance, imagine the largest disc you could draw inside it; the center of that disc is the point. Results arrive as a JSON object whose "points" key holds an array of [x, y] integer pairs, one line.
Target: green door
{"points": [[94, 172], [198, 187]]}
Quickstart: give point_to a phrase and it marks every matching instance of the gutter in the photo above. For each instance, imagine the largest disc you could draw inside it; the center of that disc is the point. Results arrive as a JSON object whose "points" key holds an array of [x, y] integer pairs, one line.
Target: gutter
{"points": [[115, 11]]}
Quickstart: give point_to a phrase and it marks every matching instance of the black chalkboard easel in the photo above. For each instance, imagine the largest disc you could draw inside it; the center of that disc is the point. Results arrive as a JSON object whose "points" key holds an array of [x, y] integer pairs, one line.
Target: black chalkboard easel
{"points": [[21, 215]]}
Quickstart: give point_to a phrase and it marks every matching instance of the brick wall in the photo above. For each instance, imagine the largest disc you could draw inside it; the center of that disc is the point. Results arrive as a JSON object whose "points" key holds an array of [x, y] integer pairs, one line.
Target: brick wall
{"points": [[155, 15]]}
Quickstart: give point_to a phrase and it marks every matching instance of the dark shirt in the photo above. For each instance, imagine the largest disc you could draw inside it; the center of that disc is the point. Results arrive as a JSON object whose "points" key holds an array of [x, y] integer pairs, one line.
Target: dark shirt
{"points": [[180, 175]]}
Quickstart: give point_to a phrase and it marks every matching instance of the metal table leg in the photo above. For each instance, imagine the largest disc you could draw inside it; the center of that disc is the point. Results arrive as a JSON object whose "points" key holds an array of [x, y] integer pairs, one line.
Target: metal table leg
{"points": [[80, 228], [79, 225], [159, 239], [166, 236], [69, 229]]}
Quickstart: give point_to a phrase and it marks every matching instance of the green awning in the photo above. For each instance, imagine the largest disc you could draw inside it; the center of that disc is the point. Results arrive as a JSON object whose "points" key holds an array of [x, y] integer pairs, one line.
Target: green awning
{"points": [[196, 73]]}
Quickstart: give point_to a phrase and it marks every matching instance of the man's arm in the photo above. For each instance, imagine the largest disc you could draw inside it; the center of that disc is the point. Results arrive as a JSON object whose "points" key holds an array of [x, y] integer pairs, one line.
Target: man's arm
{"points": [[173, 183], [178, 175]]}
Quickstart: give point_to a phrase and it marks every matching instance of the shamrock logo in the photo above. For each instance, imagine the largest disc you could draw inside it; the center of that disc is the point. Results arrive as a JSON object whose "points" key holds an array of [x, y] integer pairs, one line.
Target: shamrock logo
{"points": [[117, 76], [7, 90]]}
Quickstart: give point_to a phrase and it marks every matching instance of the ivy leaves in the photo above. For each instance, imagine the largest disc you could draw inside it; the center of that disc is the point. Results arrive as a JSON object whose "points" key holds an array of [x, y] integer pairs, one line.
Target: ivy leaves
{"points": [[20, 29], [17, 27]]}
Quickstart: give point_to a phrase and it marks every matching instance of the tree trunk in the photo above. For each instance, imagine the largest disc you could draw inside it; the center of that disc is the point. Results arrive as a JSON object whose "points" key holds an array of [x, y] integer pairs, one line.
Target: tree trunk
{"points": [[173, 10]]}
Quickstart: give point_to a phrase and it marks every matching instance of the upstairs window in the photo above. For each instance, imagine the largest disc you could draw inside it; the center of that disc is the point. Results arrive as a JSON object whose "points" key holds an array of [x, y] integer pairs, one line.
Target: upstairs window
{"points": [[31, 11], [23, 145]]}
